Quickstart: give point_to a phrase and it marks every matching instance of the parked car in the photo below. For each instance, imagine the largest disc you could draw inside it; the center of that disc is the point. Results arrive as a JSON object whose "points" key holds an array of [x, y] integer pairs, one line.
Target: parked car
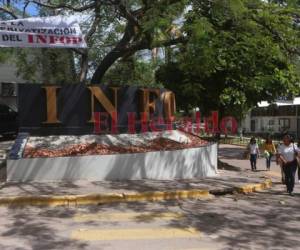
{"points": [[8, 121]]}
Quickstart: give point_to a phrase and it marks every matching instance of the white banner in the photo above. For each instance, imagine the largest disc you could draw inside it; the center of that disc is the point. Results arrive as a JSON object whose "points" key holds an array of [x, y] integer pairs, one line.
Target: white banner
{"points": [[42, 32]]}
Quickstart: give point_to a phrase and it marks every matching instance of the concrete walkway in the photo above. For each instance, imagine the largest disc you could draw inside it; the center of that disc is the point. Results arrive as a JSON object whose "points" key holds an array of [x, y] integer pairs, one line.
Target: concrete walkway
{"points": [[225, 179], [233, 155], [234, 175]]}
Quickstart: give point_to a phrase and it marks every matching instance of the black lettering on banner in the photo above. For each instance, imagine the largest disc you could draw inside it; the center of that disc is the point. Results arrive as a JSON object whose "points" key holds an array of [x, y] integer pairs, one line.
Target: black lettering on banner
{"points": [[56, 31], [73, 31], [5, 38], [66, 31], [12, 38]]}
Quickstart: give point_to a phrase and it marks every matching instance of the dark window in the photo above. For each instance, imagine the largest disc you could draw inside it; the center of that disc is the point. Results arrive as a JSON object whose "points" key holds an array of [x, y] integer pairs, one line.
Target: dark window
{"points": [[273, 110], [284, 123], [4, 109], [271, 122], [253, 125]]}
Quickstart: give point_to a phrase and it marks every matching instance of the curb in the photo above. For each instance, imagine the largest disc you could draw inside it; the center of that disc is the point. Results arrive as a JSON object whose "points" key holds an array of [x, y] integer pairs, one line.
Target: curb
{"points": [[245, 189], [95, 199]]}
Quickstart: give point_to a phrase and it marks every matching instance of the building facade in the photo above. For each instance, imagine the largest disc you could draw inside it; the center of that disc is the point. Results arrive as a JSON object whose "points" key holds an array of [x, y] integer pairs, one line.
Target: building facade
{"points": [[8, 84], [277, 118]]}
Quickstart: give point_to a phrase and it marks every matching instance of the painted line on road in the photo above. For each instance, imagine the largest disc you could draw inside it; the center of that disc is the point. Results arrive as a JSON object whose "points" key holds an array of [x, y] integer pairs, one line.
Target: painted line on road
{"points": [[135, 234], [127, 216]]}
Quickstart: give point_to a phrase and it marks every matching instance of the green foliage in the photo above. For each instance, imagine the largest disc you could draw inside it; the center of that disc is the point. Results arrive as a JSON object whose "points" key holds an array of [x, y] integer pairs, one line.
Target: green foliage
{"points": [[238, 53], [48, 66], [133, 72], [5, 54]]}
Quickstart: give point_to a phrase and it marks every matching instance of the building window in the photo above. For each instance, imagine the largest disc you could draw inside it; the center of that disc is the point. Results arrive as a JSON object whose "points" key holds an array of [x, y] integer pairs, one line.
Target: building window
{"points": [[8, 89], [284, 123], [271, 122], [253, 126]]}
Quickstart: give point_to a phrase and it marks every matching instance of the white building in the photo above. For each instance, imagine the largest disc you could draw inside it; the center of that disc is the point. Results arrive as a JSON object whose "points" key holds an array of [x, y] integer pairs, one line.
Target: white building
{"points": [[277, 118]]}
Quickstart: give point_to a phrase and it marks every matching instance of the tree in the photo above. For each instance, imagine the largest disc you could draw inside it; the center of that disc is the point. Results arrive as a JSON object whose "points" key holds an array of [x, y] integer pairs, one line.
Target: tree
{"points": [[115, 29], [238, 53]]}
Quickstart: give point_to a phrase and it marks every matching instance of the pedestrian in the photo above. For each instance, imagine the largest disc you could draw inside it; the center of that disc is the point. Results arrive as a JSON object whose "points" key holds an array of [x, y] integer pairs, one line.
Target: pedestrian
{"points": [[278, 162], [254, 153], [269, 150], [298, 161], [287, 155]]}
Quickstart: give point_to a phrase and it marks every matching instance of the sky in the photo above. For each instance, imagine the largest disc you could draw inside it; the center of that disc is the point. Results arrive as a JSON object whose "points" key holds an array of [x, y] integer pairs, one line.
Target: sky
{"points": [[31, 9]]}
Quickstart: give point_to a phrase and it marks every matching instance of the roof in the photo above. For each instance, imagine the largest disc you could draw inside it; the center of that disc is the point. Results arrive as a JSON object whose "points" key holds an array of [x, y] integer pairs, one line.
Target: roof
{"points": [[295, 101]]}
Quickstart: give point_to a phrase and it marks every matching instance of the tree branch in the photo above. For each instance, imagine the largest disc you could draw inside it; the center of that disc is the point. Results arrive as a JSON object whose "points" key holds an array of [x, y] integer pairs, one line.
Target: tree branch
{"points": [[25, 7], [277, 36], [128, 15], [123, 49], [9, 12], [85, 56], [65, 6]]}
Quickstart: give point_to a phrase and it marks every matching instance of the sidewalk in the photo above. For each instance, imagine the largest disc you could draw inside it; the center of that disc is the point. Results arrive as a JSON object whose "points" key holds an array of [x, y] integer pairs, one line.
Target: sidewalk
{"points": [[234, 176], [233, 155]]}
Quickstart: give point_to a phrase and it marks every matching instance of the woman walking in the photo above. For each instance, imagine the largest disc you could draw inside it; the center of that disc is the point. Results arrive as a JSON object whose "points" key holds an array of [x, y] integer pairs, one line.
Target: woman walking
{"points": [[287, 153], [298, 161], [254, 153], [269, 150]]}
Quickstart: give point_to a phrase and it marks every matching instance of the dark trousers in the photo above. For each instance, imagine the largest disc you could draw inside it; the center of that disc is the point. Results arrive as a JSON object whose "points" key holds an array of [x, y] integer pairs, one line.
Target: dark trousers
{"points": [[253, 158], [268, 160], [290, 172]]}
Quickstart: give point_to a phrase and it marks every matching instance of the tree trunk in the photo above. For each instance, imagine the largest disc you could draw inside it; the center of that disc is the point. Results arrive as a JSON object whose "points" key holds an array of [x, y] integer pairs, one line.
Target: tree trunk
{"points": [[84, 67], [119, 51], [106, 63]]}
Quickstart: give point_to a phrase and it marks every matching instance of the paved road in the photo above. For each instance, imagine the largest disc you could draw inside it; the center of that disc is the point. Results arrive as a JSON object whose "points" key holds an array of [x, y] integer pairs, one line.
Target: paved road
{"points": [[265, 220], [233, 155]]}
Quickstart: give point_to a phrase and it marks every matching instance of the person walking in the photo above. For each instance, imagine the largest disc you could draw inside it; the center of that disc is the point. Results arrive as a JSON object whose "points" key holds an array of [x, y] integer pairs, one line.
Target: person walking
{"points": [[254, 153], [298, 161], [269, 150], [287, 155], [278, 162]]}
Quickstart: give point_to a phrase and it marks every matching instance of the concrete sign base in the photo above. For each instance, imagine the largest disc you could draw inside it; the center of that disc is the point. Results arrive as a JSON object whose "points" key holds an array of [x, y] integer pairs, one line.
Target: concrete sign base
{"points": [[160, 165]]}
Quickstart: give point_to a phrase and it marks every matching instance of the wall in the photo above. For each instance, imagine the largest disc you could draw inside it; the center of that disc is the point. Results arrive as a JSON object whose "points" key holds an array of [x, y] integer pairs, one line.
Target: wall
{"points": [[161, 165], [8, 74], [262, 124]]}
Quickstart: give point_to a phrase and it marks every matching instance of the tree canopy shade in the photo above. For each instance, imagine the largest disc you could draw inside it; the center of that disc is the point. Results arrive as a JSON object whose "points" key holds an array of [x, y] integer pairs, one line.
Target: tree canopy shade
{"points": [[115, 29], [238, 53], [219, 53]]}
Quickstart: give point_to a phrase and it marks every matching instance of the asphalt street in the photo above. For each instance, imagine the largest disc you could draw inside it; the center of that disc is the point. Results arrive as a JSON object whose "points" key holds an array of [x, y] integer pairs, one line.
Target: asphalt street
{"points": [[268, 220], [264, 220]]}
